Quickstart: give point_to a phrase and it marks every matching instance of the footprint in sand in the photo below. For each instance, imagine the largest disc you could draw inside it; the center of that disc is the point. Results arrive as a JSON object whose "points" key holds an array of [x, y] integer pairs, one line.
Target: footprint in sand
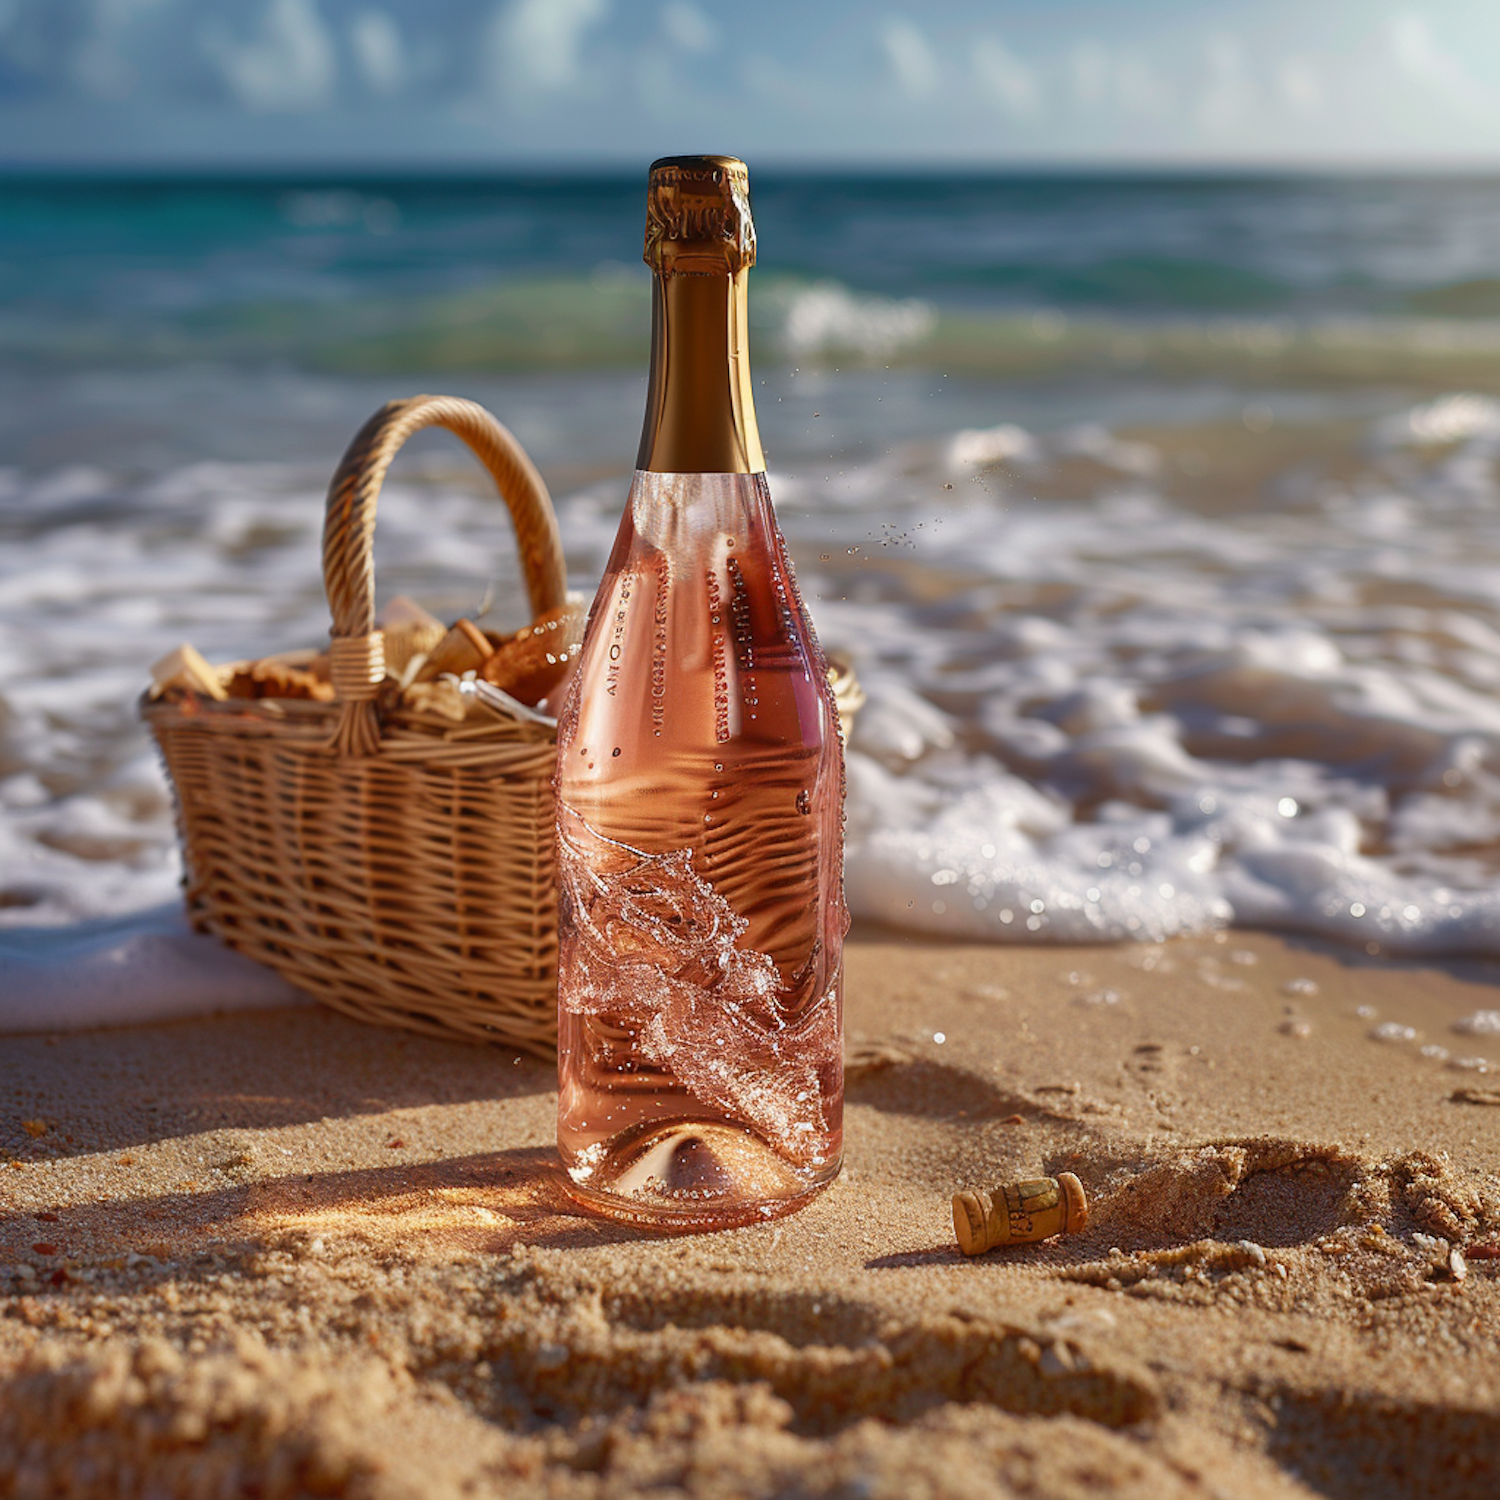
{"points": [[1152, 1068], [894, 1078]]}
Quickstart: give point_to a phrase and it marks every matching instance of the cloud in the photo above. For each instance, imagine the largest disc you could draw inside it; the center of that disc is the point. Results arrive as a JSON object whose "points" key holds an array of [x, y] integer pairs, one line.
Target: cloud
{"points": [[100, 66], [535, 43], [378, 51], [1116, 82], [1090, 70], [1007, 79], [1419, 56], [290, 66], [1228, 95], [1300, 84], [688, 27], [910, 57], [1140, 90], [768, 79]]}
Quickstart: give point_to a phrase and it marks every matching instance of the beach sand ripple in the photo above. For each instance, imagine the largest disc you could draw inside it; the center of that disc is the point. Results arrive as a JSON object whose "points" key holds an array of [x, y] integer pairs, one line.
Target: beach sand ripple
{"points": [[283, 1254]]}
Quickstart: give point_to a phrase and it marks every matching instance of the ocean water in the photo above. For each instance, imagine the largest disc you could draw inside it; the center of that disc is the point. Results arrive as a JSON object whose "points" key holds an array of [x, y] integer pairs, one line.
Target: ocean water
{"points": [[1159, 517]]}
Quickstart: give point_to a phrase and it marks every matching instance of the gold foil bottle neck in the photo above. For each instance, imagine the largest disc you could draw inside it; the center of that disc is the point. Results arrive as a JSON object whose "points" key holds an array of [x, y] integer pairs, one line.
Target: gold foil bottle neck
{"points": [[700, 242], [698, 216]]}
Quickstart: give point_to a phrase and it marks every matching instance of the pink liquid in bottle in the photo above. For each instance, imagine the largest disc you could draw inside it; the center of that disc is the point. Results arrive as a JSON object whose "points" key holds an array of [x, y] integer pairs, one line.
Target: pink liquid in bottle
{"points": [[700, 849]]}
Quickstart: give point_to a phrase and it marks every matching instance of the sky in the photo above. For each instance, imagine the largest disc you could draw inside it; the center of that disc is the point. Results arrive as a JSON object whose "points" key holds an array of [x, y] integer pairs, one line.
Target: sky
{"points": [[474, 84]]}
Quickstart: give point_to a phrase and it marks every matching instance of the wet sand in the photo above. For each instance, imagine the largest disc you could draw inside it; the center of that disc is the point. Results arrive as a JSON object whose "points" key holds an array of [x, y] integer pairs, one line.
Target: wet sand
{"points": [[286, 1254]]}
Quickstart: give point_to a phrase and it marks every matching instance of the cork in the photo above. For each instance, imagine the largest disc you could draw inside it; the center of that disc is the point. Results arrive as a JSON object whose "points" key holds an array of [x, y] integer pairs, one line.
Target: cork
{"points": [[1019, 1213], [185, 667], [463, 649], [410, 631], [536, 658]]}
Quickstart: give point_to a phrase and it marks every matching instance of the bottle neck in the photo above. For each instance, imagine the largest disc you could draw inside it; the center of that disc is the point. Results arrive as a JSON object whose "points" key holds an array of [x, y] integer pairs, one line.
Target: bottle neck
{"points": [[700, 412]]}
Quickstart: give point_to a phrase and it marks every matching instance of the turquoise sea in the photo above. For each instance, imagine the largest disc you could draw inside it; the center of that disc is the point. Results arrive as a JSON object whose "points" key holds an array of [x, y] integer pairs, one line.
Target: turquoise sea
{"points": [[144, 319]]}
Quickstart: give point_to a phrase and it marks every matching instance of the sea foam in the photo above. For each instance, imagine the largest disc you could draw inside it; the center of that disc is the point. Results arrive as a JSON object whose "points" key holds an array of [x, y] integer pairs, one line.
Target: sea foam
{"points": [[1095, 719]]}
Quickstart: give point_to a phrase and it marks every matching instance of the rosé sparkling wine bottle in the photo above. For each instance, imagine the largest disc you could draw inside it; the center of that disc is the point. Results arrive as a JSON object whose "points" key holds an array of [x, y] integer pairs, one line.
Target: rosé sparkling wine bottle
{"points": [[700, 792]]}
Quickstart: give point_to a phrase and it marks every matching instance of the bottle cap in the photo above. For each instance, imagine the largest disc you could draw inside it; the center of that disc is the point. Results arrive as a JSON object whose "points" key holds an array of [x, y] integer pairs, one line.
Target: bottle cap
{"points": [[698, 216]]}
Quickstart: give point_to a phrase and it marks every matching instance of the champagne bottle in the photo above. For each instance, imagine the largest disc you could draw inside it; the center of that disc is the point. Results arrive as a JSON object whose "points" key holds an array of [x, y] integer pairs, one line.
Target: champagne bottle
{"points": [[700, 791]]}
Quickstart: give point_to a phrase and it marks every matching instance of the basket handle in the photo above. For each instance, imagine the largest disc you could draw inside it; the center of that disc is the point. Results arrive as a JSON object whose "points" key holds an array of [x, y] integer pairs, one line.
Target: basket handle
{"points": [[357, 652]]}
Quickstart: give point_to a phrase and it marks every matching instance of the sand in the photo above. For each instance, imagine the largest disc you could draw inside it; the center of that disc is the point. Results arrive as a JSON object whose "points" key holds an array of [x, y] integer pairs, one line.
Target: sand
{"points": [[283, 1254]]}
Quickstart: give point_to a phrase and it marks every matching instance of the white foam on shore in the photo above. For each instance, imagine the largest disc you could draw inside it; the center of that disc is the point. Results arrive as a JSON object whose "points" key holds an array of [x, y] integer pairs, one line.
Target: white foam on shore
{"points": [[149, 966], [1480, 1023], [1284, 719], [1099, 720]]}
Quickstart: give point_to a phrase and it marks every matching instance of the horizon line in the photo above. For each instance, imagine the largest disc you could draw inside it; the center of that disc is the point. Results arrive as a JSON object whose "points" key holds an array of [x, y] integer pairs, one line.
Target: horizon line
{"points": [[617, 168]]}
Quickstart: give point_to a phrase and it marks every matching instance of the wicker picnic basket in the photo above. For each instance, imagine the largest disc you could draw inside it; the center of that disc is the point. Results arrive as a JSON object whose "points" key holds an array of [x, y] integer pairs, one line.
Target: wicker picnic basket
{"points": [[394, 864]]}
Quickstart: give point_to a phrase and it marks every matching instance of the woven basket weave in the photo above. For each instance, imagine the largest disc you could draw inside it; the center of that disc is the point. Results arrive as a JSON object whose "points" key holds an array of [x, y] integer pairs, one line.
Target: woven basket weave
{"points": [[397, 866]]}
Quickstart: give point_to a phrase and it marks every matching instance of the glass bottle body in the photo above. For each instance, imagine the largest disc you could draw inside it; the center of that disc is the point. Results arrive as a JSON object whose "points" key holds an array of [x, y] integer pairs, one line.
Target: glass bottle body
{"points": [[700, 846]]}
